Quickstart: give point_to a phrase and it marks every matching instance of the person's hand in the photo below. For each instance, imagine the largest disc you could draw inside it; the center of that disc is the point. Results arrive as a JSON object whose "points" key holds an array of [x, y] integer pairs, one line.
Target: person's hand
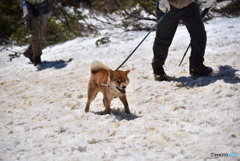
{"points": [[208, 3], [164, 5]]}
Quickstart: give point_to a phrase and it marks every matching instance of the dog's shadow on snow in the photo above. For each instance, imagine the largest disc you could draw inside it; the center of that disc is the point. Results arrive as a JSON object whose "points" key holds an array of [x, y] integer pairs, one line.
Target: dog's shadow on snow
{"points": [[58, 64], [225, 73], [119, 114]]}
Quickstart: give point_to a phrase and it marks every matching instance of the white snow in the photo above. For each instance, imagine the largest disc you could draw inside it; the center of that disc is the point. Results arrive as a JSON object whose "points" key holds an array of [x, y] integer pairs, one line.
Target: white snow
{"points": [[42, 109]]}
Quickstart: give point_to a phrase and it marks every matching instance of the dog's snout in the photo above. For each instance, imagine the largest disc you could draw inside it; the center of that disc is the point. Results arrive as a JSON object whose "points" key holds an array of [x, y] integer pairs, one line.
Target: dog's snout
{"points": [[123, 87]]}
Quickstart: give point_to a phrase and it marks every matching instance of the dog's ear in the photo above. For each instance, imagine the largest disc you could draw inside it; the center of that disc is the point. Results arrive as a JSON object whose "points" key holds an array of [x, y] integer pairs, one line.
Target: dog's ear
{"points": [[127, 72], [110, 73]]}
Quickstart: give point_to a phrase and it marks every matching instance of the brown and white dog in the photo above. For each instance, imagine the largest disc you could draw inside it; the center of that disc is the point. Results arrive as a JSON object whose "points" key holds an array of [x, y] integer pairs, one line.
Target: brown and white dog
{"points": [[111, 83]]}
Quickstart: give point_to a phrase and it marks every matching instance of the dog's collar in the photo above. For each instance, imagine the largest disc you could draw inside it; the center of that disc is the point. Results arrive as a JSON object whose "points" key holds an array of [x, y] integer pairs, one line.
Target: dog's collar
{"points": [[108, 84], [109, 87]]}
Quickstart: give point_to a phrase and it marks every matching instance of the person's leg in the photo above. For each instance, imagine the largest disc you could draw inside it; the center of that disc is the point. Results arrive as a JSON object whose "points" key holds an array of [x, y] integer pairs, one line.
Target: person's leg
{"points": [[29, 52], [164, 36], [195, 26], [38, 35]]}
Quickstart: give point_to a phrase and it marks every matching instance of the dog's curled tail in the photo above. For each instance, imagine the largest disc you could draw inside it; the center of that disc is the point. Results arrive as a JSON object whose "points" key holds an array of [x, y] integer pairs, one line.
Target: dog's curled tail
{"points": [[96, 66]]}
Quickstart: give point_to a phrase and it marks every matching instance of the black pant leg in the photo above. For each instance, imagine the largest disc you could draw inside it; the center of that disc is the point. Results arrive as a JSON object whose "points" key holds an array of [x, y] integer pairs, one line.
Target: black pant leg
{"points": [[164, 36], [195, 26]]}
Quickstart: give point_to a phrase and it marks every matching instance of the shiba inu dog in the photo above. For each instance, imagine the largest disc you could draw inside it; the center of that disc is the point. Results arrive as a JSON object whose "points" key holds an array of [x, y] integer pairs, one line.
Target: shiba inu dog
{"points": [[111, 83]]}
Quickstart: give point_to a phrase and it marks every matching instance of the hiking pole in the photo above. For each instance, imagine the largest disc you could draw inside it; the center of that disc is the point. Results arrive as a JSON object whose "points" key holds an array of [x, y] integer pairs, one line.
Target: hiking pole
{"points": [[203, 15], [144, 39]]}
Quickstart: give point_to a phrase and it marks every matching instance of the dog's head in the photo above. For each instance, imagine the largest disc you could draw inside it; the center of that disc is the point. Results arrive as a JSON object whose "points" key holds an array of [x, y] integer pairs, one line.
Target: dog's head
{"points": [[119, 80]]}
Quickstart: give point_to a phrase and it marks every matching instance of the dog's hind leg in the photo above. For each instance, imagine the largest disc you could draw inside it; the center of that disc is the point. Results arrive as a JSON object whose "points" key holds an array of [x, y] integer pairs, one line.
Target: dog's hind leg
{"points": [[92, 92], [125, 103]]}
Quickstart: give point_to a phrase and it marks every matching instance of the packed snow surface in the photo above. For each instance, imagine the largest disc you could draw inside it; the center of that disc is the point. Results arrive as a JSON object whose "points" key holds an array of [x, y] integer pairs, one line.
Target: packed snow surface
{"points": [[42, 114]]}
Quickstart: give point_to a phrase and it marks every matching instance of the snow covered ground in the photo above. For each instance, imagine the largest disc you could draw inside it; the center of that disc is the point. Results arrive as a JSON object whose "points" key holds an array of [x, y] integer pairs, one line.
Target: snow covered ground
{"points": [[42, 114]]}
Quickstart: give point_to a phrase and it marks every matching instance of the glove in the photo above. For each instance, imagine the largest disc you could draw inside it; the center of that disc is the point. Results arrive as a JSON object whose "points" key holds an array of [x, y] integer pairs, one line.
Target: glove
{"points": [[208, 3], [164, 5]]}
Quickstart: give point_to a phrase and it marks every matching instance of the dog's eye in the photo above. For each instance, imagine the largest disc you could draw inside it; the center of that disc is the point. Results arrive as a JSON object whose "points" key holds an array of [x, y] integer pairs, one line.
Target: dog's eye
{"points": [[118, 81]]}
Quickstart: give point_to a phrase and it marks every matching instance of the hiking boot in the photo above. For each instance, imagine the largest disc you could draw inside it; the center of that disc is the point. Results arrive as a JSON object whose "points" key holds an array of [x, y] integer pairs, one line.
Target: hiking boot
{"points": [[159, 73], [37, 60], [200, 71], [29, 54], [162, 77]]}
